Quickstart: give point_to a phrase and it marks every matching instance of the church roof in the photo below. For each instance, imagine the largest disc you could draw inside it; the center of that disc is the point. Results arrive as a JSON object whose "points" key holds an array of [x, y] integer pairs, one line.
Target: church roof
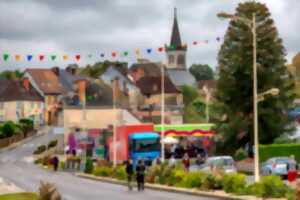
{"points": [[180, 77], [175, 42]]}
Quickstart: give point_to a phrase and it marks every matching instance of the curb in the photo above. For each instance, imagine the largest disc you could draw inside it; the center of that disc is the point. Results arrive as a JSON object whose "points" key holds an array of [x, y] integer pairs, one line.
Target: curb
{"points": [[194, 192]]}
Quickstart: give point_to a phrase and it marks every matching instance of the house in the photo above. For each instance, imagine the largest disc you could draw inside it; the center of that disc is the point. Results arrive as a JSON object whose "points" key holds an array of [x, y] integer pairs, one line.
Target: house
{"points": [[18, 99], [47, 84]]}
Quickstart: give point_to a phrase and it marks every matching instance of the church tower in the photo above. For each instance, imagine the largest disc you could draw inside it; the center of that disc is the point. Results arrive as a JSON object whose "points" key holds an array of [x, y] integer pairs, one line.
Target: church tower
{"points": [[176, 51]]}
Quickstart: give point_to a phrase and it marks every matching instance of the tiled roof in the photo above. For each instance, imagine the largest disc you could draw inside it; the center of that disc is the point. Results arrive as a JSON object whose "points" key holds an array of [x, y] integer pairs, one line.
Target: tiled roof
{"points": [[150, 68], [46, 80], [152, 85], [210, 84], [67, 79], [13, 90]]}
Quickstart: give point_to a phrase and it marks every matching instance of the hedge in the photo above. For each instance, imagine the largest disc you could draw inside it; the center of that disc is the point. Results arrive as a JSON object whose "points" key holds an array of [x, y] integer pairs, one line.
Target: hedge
{"points": [[279, 150]]}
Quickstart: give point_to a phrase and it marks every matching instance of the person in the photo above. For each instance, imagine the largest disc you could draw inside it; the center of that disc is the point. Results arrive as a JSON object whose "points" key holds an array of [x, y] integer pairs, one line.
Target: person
{"points": [[199, 160], [186, 162], [129, 171], [140, 175], [156, 161], [55, 162], [172, 161]]}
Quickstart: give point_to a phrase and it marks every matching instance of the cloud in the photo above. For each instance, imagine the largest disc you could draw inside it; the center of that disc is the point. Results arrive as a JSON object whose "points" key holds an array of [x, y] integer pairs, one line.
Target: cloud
{"points": [[96, 26]]}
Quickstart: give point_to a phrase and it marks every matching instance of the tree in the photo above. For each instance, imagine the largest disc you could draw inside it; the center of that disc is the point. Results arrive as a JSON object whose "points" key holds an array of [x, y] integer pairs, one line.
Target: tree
{"points": [[296, 64], [11, 75], [202, 72], [235, 88]]}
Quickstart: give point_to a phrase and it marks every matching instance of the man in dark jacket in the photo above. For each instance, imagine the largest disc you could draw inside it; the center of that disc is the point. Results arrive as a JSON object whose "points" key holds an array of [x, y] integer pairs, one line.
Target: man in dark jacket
{"points": [[140, 175], [129, 171]]}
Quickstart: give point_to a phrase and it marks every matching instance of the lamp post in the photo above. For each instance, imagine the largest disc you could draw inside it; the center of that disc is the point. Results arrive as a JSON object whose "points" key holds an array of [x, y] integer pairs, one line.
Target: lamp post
{"points": [[252, 25], [162, 112], [256, 97], [207, 98], [115, 124]]}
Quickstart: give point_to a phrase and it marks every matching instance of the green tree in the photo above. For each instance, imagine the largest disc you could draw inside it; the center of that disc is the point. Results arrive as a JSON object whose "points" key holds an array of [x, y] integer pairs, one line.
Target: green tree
{"points": [[11, 75], [235, 88], [202, 72]]}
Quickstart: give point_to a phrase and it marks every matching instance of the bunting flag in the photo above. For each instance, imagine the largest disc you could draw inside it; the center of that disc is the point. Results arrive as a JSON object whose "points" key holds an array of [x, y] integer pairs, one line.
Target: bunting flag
{"points": [[65, 57], [5, 57], [29, 57], [18, 57], [160, 49], [77, 57], [137, 52], [41, 57]]}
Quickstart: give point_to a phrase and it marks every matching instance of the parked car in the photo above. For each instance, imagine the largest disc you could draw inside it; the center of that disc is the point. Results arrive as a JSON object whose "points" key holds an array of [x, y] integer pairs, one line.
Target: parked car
{"points": [[225, 163], [279, 166]]}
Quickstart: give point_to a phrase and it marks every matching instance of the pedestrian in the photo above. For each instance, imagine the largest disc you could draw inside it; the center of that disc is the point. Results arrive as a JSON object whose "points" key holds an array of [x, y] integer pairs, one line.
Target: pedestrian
{"points": [[55, 162], [186, 162], [140, 175], [172, 161], [129, 171]]}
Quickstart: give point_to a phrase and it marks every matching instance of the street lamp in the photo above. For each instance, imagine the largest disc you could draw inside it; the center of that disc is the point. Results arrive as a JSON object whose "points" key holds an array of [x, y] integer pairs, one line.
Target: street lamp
{"points": [[252, 26], [162, 112], [256, 97]]}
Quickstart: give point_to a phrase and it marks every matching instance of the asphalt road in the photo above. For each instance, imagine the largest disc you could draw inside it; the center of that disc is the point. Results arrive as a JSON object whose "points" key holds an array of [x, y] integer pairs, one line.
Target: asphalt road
{"points": [[16, 166]]}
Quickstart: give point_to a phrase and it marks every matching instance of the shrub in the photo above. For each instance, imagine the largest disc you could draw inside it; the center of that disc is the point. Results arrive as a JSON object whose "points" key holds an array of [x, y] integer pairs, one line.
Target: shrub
{"points": [[240, 154], [52, 143], [89, 166], [269, 187], [193, 180], [26, 125], [119, 173], [152, 172], [103, 171], [176, 177], [234, 183], [278, 150], [40, 149], [62, 165], [212, 182], [9, 129], [46, 161]]}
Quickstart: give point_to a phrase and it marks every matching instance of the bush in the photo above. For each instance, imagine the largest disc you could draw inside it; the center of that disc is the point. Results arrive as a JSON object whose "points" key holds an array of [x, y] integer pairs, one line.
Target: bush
{"points": [[163, 172], [26, 125], [240, 154], [193, 180], [52, 143], [40, 149], [104, 171], [212, 183], [234, 183], [9, 129], [278, 150], [268, 187], [48, 191], [176, 177], [62, 165], [119, 173], [89, 166]]}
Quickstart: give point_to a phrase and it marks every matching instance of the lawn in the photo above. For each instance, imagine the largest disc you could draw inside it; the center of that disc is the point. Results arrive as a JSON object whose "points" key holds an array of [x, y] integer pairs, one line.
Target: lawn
{"points": [[19, 196]]}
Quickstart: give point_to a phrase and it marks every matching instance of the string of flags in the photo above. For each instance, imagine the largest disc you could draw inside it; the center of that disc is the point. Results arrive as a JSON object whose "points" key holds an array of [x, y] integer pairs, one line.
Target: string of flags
{"points": [[114, 54]]}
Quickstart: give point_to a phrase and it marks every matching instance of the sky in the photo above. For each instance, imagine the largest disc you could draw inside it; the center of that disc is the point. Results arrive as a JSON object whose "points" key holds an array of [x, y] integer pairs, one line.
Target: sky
{"points": [[92, 27]]}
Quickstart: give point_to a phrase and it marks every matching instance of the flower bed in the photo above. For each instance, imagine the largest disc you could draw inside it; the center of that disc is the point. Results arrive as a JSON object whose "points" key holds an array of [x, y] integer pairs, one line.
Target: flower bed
{"points": [[268, 187]]}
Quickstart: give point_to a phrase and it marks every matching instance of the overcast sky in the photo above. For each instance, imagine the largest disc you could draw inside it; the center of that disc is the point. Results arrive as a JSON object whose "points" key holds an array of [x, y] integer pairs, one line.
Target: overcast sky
{"points": [[101, 26]]}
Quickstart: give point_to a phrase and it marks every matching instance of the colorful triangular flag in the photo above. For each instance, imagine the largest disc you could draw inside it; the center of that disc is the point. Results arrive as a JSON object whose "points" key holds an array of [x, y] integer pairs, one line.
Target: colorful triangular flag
{"points": [[53, 57], [5, 57], [29, 57]]}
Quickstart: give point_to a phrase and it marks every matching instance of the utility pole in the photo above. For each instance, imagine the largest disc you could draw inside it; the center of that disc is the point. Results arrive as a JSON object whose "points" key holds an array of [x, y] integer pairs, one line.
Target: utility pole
{"points": [[115, 124]]}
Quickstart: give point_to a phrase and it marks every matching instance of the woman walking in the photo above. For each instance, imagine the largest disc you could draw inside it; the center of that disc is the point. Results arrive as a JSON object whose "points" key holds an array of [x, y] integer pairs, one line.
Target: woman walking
{"points": [[140, 175]]}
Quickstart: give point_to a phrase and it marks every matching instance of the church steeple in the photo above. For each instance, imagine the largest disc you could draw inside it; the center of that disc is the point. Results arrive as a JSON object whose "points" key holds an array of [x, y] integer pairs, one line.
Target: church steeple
{"points": [[175, 36], [176, 52]]}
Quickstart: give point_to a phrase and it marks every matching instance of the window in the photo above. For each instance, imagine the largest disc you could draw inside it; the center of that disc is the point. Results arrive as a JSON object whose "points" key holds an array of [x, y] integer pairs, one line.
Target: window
{"points": [[181, 59], [171, 59], [146, 145]]}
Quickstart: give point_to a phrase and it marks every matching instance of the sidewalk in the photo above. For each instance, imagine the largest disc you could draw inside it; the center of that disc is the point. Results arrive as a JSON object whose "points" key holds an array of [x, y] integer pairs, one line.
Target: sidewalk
{"points": [[6, 187]]}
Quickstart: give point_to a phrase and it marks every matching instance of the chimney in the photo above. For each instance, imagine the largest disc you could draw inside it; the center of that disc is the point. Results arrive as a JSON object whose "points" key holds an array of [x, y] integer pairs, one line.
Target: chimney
{"points": [[56, 70], [26, 83], [81, 85]]}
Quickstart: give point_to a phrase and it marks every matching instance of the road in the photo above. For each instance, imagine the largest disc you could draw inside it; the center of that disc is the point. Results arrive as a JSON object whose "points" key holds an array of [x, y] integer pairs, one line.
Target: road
{"points": [[16, 166]]}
